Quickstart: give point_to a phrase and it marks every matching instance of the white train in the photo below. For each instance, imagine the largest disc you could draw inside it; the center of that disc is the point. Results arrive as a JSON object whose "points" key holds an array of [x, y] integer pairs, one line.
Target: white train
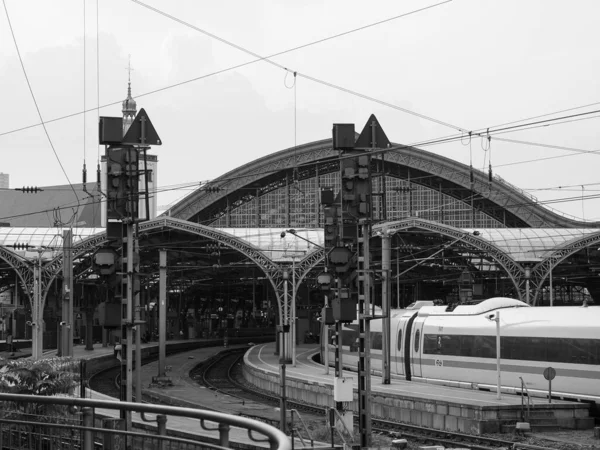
{"points": [[458, 347]]}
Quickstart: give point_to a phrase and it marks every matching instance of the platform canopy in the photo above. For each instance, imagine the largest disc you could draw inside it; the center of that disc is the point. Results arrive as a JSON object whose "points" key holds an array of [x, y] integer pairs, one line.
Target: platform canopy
{"points": [[532, 244], [268, 240], [49, 239]]}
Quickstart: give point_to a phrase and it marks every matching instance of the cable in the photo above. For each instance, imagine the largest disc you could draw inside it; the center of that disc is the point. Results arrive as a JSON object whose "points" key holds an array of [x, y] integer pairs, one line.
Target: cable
{"points": [[267, 59], [35, 101]]}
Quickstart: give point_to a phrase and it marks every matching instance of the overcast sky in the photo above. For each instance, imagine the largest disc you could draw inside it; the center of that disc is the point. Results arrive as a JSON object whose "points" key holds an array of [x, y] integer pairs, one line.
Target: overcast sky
{"points": [[470, 64]]}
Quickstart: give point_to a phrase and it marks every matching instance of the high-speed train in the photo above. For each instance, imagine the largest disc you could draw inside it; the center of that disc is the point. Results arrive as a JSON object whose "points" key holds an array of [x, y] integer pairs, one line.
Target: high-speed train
{"points": [[458, 347]]}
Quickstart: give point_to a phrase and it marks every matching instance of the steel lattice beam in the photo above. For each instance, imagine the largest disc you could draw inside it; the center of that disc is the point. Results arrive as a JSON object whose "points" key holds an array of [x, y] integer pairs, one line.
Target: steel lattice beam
{"points": [[513, 269], [541, 270]]}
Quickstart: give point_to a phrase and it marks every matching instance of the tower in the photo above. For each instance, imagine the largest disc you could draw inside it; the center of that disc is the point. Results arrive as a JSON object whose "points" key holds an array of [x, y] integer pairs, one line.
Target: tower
{"points": [[129, 112], [129, 105]]}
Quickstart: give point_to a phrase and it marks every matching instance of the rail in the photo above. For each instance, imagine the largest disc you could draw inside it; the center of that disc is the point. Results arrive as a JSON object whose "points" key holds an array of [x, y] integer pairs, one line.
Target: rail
{"points": [[55, 422], [529, 401], [306, 430]]}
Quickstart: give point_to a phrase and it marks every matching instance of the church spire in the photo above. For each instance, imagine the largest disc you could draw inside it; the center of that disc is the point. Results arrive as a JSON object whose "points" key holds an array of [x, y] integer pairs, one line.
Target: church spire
{"points": [[129, 105]]}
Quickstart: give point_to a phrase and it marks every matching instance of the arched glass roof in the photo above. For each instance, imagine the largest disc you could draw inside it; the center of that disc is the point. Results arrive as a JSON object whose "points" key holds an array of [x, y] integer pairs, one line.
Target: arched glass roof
{"points": [[532, 244], [521, 244], [287, 249], [51, 239], [267, 240]]}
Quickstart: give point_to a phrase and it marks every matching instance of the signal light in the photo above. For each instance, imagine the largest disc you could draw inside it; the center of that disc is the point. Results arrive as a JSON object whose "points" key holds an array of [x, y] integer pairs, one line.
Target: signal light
{"points": [[29, 189]]}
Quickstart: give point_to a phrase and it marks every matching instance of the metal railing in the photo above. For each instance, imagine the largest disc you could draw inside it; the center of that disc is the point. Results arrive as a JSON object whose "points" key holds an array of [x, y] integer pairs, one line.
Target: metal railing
{"points": [[529, 400], [56, 422]]}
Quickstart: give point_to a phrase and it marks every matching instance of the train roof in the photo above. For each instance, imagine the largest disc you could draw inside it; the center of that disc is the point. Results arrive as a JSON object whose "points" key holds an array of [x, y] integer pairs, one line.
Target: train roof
{"points": [[558, 321], [473, 310]]}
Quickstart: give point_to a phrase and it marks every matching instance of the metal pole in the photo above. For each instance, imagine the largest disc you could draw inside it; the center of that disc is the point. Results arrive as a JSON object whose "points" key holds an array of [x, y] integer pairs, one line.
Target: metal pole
{"points": [[293, 312], [364, 327], [527, 275], [398, 277], [37, 312], [67, 305], [162, 312], [282, 400], [498, 396], [35, 348], [138, 320], [129, 323], [285, 327], [88, 432], [385, 300], [325, 340], [551, 289], [70, 321]]}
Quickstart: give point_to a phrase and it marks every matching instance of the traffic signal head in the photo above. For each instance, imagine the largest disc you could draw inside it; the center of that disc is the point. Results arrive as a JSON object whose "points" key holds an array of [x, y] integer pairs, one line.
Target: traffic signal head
{"points": [[104, 261], [122, 182]]}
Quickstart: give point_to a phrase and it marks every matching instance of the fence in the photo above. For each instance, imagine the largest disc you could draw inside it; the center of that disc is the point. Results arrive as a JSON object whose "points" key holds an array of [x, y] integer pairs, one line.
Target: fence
{"points": [[57, 422]]}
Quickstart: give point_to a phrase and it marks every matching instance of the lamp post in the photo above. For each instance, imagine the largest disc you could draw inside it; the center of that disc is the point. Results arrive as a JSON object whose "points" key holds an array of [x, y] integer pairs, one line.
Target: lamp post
{"points": [[496, 318]]}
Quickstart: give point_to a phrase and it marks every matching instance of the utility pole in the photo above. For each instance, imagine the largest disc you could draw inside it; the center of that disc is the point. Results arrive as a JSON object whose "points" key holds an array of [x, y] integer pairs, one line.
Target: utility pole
{"points": [[66, 325], [162, 317], [37, 316]]}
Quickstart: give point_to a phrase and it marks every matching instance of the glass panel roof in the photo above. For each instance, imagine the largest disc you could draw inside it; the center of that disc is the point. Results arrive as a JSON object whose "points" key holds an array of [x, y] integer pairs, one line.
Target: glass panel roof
{"points": [[533, 244], [521, 244], [51, 239]]}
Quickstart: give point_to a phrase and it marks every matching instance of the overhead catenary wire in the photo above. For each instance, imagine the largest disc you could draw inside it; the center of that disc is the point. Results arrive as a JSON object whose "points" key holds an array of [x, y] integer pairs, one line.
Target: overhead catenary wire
{"points": [[268, 59], [36, 104]]}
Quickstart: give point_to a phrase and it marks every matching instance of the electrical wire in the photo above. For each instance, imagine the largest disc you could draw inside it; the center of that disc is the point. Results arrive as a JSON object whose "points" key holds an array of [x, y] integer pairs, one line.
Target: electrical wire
{"points": [[35, 101], [268, 59], [179, 187]]}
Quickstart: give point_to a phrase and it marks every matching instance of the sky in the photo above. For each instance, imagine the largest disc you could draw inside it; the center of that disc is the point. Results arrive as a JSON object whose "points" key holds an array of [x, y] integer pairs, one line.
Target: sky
{"points": [[460, 65]]}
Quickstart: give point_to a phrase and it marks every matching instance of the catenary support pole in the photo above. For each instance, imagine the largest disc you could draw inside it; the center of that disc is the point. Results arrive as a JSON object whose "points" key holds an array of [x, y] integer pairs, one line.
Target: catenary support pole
{"points": [[498, 348], [385, 300], [128, 325], [364, 330], [137, 314], [162, 312]]}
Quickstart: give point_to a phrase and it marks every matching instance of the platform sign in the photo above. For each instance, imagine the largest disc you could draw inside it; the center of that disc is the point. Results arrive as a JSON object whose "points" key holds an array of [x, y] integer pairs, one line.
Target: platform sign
{"points": [[549, 374]]}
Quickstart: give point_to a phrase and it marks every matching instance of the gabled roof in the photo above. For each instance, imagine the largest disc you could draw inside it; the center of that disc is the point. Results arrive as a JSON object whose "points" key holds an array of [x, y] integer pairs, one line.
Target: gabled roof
{"points": [[55, 205]]}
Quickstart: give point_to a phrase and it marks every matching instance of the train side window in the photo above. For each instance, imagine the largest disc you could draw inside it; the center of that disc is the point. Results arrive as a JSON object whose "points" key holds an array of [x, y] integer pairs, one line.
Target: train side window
{"points": [[400, 339], [417, 339]]}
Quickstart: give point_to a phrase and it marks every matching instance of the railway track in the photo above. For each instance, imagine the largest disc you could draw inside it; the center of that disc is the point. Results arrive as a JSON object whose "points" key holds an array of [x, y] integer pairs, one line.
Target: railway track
{"points": [[223, 373]]}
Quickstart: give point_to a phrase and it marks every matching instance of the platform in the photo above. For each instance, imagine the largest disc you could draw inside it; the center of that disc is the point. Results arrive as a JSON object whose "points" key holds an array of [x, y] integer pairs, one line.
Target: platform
{"points": [[183, 392], [424, 404]]}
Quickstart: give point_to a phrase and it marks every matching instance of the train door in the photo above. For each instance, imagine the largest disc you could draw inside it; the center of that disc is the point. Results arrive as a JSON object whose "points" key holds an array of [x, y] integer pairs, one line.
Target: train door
{"points": [[406, 345], [397, 349], [417, 342]]}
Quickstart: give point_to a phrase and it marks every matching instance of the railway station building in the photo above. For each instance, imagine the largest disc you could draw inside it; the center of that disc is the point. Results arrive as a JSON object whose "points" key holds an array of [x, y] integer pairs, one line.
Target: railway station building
{"points": [[246, 248]]}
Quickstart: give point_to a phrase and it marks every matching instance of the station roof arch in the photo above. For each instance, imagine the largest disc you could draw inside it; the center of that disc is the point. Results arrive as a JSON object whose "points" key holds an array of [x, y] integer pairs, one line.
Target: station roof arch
{"points": [[499, 199]]}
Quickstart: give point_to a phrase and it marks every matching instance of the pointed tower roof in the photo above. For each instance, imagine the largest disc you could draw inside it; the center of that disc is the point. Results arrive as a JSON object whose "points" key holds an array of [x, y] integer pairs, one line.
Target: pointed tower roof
{"points": [[129, 104]]}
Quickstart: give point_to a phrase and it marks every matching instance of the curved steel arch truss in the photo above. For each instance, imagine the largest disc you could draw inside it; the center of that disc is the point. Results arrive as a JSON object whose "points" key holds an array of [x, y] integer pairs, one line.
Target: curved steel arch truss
{"points": [[507, 201], [541, 270], [271, 269], [513, 269], [300, 270], [22, 266]]}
